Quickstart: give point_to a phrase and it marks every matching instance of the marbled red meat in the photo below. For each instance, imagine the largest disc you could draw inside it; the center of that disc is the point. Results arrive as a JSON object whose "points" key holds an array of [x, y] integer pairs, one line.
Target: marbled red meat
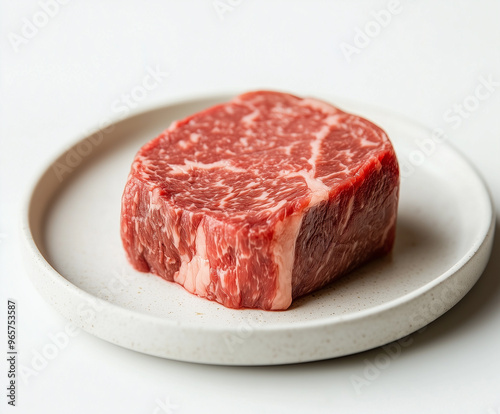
{"points": [[260, 200]]}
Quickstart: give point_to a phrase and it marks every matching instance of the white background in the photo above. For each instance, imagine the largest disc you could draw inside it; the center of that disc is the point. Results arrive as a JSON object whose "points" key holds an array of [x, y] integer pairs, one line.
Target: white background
{"points": [[68, 77]]}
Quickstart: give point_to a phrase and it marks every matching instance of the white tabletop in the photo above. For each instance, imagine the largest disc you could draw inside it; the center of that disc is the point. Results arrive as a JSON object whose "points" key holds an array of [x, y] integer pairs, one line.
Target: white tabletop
{"points": [[68, 66]]}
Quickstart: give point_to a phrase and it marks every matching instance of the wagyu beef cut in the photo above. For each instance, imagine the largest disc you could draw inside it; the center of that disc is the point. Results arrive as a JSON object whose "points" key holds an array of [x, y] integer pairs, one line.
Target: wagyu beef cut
{"points": [[260, 200]]}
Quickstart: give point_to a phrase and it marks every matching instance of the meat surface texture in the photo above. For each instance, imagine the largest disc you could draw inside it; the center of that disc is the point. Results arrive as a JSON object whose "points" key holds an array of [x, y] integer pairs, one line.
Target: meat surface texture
{"points": [[260, 200]]}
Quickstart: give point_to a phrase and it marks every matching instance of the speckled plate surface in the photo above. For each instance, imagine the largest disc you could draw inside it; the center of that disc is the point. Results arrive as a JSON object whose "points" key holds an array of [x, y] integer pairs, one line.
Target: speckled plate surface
{"points": [[75, 257]]}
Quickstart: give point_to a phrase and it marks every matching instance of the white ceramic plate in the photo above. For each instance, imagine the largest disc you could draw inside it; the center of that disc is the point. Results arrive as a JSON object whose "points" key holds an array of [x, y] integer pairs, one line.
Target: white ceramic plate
{"points": [[76, 260]]}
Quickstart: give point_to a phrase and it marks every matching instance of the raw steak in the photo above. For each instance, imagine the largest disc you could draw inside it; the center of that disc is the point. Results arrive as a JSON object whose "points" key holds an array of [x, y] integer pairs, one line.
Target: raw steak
{"points": [[260, 200]]}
